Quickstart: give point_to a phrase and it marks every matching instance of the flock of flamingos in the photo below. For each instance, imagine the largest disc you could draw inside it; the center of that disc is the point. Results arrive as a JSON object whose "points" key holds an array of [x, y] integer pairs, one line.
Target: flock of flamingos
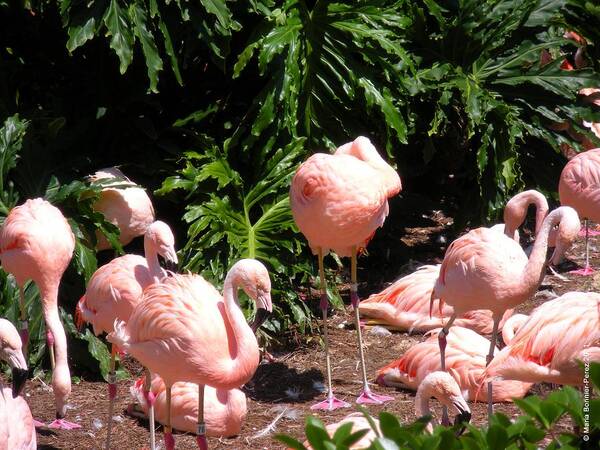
{"points": [[198, 348]]}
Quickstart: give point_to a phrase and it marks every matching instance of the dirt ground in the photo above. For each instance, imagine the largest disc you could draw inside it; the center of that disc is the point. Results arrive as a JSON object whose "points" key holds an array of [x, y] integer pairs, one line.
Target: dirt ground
{"points": [[291, 382]]}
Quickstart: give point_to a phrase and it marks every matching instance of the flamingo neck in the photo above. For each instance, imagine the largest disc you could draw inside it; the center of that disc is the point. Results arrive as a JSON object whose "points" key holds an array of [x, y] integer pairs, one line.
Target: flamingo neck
{"points": [[156, 272], [422, 405]]}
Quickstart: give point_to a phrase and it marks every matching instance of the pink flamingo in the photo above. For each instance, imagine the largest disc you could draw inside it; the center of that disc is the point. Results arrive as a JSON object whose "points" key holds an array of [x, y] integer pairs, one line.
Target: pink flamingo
{"points": [[405, 304], [465, 361], [129, 208], [436, 384], [176, 333], [485, 269], [225, 410], [114, 290], [550, 343], [338, 201], [511, 326], [17, 430], [579, 187], [36, 243]]}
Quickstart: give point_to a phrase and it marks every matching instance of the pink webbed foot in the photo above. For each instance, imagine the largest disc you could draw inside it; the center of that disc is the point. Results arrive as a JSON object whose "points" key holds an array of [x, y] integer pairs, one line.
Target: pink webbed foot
{"points": [[369, 397], [331, 403], [38, 424], [585, 272], [202, 442], [169, 441], [61, 424]]}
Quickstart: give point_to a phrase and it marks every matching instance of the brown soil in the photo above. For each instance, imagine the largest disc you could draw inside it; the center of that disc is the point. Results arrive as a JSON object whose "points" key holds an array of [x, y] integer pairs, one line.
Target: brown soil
{"points": [[287, 382]]}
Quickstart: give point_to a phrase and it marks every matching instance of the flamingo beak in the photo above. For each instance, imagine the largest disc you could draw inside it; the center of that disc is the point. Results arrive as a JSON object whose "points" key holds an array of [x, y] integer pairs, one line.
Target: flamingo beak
{"points": [[19, 376], [170, 258], [464, 415], [261, 315]]}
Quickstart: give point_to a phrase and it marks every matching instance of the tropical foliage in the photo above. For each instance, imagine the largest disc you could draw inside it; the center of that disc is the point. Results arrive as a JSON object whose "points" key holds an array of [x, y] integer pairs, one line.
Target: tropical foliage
{"points": [[534, 427]]}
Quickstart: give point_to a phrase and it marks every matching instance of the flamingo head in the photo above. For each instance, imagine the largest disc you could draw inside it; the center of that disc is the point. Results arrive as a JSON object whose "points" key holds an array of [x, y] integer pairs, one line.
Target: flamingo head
{"points": [[256, 283], [11, 351], [567, 232], [159, 238], [446, 390]]}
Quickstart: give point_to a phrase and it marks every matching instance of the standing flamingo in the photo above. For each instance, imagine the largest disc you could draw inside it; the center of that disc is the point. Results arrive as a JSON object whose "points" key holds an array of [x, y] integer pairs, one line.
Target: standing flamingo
{"points": [[115, 289], [16, 423], [129, 208], [176, 334], [485, 269], [36, 243], [579, 187], [552, 340], [338, 201], [225, 409], [404, 305], [465, 360]]}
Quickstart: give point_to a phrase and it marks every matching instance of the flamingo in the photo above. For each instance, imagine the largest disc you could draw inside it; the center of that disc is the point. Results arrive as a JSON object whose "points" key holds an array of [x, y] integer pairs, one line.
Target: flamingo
{"points": [[552, 340], [114, 290], [128, 208], [404, 305], [17, 430], [485, 269], [511, 326], [338, 201], [176, 334], [436, 384], [579, 187], [225, 410], [36, 242], [465, 361]]}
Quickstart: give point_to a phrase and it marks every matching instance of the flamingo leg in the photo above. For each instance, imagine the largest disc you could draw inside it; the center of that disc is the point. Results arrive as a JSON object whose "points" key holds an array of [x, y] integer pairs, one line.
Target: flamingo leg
{"points": [[489, 358], [150, 400], [331, 402], [442, 343], [366, 396], [24, 331], [201, 426], [169, 439], [112, 393], [587, 270]]}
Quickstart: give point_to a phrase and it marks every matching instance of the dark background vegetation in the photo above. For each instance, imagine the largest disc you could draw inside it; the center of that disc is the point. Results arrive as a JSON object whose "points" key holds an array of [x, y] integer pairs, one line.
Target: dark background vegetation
{"points": [[210, 105]]}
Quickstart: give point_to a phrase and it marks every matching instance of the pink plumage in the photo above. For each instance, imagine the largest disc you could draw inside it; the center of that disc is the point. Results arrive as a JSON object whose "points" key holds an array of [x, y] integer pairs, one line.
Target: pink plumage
{"points": [[339, 200], [579, 185], [36, 242], [225, 410], [549, 344], [465, 361], [128, 207]]}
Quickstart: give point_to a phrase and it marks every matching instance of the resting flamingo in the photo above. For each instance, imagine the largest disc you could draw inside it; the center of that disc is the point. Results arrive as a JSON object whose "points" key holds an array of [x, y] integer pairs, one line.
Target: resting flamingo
{"points": [[178, 335], [486, 269], [225, 409], [338, 201], [127, 207], [436, 384], [404, 305], [114, 290], [17, 429], [465, 361], [36, 243], [550, 343], [579, 187]]}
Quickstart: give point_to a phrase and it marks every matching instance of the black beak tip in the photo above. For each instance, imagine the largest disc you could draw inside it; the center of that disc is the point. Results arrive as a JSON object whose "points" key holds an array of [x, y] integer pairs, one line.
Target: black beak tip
{"points": [[171, 265], [259, 319], [19, 376]]}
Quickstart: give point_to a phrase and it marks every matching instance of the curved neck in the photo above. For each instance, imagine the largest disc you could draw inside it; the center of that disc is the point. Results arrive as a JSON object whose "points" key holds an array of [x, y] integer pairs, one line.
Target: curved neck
{"points": [[422, 406], [244, 344], [156, 272], [519, 205]]}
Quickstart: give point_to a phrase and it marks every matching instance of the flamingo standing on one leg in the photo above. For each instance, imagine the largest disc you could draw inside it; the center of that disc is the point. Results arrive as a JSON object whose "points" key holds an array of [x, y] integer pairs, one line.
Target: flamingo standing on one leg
{"points": [[338, 201], [129, 208], [178, 335], [579, 187], [225, 409], [404, 305], [552, 340], [36, 243], [485, 269], [465, 360], [114, 290], [16, 423]]}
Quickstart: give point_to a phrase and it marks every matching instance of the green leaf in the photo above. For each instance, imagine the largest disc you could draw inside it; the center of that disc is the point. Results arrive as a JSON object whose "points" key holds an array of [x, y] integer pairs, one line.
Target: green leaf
{"points": [[117, 24], [290, 442], [153, 60], [170, 51], [220, 10], [80, 34]]}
